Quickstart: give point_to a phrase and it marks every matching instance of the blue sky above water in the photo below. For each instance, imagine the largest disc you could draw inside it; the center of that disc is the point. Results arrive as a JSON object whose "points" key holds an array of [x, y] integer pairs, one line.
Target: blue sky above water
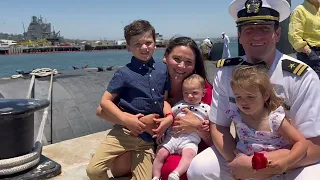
{"points": [[105, 19]]}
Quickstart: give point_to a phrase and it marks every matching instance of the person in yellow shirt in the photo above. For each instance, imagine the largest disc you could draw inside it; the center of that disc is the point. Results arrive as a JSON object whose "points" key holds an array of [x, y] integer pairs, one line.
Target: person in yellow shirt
{"points": [[304, 33]]}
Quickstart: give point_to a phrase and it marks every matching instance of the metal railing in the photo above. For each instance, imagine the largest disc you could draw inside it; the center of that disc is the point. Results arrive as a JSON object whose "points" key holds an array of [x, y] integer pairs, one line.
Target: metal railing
{"points": [[31, 94], [31, 90]]}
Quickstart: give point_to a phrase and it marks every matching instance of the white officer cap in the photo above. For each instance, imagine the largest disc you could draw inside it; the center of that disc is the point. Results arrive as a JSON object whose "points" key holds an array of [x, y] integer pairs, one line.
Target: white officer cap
{"points": [[259, 11], [223, 33]]}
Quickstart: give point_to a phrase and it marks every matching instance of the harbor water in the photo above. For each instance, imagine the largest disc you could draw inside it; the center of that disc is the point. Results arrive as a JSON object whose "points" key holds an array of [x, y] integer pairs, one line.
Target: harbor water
{"points": [[65, 61]]}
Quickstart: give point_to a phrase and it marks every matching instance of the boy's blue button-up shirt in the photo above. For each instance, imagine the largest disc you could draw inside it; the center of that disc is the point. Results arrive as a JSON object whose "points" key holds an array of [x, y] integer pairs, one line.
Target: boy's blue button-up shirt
{"points": [[141, 88]]}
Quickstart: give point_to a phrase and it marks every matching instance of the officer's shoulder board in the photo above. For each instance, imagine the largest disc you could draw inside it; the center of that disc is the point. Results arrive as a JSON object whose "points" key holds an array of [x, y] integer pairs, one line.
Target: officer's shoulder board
{"points": [[294, 67], [229, 62]]}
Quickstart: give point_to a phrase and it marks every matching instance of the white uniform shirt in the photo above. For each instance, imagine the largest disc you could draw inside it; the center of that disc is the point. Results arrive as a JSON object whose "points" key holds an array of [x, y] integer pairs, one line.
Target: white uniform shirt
{"points": [[302, 94]]}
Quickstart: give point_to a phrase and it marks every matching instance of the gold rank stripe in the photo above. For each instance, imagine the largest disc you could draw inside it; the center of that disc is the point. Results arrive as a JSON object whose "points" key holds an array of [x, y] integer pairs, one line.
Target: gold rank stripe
{"points": [[220, 63], [273, 18], [302, 70], [299, 69]]}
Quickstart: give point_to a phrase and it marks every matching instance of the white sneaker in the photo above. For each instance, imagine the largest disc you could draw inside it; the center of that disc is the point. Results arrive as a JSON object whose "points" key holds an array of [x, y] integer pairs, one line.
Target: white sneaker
{"points": [[174, 176], [155, 178]]}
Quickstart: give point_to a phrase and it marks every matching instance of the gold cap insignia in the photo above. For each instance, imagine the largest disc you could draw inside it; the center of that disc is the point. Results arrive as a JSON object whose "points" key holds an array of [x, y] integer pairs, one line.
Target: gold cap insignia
{"points": [[253, 6]]}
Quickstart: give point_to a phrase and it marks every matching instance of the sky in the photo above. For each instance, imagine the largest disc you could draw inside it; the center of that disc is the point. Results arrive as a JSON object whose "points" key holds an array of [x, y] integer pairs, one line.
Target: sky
{"points": [[105, 19]]}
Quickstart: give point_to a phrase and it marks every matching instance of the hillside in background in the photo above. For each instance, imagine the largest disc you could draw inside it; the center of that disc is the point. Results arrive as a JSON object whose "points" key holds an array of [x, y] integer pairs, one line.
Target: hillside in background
{"points": [[14, 37]]}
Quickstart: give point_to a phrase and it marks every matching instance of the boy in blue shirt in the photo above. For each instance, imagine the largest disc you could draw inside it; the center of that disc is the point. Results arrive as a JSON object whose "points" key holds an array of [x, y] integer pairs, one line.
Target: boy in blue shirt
{"points": [[139, 88]]}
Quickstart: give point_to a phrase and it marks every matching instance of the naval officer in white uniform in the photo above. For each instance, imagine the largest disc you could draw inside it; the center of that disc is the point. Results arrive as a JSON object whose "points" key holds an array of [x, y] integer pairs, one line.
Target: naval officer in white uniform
{"points": [[258, 32]]}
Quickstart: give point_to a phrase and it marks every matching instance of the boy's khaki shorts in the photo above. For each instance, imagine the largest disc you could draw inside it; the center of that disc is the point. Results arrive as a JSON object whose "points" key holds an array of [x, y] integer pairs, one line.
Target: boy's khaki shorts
{"points": [[118, 141]]}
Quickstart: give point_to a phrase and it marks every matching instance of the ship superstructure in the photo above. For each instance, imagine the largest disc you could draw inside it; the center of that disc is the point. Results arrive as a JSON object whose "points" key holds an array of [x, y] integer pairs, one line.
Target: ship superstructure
{"points": [[38, 29]]}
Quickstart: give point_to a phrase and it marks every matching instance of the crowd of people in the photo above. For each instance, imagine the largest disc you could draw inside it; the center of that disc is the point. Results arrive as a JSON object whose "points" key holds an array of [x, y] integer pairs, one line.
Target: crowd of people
{"points": [[170, 122]]}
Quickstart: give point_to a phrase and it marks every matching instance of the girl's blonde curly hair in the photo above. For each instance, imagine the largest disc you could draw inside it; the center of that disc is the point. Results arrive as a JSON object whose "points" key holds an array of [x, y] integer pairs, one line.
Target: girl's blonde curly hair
{"points": [[248, 77]]}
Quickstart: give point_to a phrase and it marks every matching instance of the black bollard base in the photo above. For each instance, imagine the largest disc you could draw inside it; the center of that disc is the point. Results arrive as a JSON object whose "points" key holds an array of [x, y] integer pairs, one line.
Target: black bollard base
{"points": [[45, 169]]}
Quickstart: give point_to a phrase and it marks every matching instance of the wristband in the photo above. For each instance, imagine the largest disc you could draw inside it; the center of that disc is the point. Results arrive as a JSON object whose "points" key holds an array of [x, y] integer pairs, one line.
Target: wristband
{"points": [[168, 114]]}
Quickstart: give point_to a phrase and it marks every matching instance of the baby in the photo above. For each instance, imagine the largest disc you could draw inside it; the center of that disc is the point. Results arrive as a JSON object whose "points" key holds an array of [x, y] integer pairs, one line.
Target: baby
{"points": [[185, 144]]}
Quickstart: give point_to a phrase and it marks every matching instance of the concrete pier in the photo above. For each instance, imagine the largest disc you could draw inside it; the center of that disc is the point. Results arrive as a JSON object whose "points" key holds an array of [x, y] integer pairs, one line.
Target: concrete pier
{"points": [[56, 49], [39, 50]]}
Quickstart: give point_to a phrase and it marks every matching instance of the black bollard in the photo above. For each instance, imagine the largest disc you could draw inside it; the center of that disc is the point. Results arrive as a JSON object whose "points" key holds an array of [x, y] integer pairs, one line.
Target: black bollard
{"points": [[17, 125]]}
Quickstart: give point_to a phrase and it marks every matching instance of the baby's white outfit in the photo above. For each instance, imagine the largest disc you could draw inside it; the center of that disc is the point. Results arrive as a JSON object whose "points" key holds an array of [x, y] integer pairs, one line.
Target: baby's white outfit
{"points": [[175, 145]]}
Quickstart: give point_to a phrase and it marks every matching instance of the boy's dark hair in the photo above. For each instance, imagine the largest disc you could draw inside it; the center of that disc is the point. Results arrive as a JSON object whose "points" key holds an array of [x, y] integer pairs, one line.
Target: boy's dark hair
{"points": [[138, 27]]}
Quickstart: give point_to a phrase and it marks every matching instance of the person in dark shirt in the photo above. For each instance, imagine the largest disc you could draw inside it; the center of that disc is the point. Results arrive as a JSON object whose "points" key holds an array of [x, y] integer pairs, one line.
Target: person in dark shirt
{"points": [[139, 88]]}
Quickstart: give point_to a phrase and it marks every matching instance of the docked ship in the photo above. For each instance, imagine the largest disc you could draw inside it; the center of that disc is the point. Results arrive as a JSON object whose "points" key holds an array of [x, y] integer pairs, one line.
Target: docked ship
{"points": [[39, 29]]}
